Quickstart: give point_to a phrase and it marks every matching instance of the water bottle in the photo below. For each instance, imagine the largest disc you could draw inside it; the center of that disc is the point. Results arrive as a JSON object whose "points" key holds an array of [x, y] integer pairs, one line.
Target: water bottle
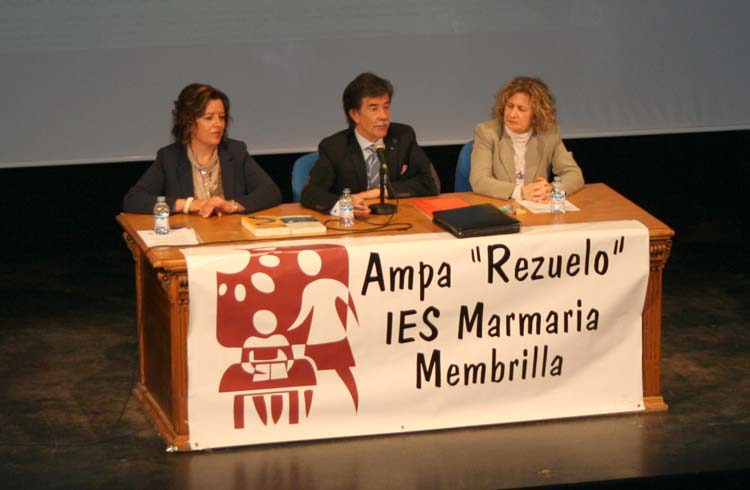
{"points": [[161, 216], [346, 209], [557, 203]]}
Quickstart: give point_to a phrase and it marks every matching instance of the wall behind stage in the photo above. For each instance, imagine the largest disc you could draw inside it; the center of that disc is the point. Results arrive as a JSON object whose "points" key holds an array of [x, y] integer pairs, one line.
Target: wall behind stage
{"points": [[93, 82]]}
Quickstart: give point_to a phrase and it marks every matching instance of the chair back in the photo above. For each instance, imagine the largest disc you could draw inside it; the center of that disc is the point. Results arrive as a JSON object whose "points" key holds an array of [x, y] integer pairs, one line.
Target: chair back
{"points": [[300, 171], [463, 169]]}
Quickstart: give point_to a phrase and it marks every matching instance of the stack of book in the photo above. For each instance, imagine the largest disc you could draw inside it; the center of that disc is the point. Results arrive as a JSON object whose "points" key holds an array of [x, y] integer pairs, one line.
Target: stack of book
{"points": [[279, 226]]}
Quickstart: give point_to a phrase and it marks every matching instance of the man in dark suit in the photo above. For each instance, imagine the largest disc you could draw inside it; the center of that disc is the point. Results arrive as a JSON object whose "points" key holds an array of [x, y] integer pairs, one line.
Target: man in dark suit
{"points": [[348, 159]]}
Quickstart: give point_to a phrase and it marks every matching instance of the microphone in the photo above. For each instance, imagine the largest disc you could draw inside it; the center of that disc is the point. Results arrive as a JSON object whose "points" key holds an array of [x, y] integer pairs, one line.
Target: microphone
{"points": [[382, 207], [380, 150]]}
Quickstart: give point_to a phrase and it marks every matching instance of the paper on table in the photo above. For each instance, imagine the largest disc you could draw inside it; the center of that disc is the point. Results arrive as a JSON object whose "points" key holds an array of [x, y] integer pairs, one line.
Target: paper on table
{"points": [[178, 236], [541, 207]]}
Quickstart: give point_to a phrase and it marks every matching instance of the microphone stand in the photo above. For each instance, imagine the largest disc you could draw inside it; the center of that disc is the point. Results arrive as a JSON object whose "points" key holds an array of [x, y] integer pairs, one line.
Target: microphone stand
{"points": [[382, 207]]}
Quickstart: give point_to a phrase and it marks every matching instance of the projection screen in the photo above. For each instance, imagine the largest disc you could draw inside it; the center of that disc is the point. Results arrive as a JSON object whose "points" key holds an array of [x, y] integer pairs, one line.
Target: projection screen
{"points": [[87, 81]]}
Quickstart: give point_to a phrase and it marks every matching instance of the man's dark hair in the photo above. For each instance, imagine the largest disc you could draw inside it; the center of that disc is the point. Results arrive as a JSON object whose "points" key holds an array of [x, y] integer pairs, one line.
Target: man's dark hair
{"points": [[365, 85]]}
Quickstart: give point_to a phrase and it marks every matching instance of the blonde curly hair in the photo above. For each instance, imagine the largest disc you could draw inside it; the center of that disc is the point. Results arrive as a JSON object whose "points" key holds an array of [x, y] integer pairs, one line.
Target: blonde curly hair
{"points": [[542, 101]]}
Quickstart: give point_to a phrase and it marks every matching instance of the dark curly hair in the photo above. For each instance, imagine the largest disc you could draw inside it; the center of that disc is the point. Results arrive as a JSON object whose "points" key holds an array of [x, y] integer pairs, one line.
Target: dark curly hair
{"points": [[366, 84], [190, 105]]}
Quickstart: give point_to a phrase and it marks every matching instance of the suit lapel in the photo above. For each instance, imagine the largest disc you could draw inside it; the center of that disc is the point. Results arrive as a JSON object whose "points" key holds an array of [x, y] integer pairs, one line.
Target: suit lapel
{"points": [[185, 173], [391, 156], [533, 159], [507, 157], [357, 161], [228, 167]]}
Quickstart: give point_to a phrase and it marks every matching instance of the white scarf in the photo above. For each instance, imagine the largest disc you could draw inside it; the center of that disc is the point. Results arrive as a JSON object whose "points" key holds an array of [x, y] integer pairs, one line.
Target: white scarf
{"points": [[519, 140]]}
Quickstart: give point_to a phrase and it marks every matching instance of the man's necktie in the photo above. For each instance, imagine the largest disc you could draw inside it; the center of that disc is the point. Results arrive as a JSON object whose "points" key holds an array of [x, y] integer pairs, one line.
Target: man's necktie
{"points": [[373, 168]]}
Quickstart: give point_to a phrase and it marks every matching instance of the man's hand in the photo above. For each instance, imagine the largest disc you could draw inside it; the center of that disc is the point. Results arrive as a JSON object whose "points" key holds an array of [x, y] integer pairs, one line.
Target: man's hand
{"points": [[368, 194], [361, 209]]}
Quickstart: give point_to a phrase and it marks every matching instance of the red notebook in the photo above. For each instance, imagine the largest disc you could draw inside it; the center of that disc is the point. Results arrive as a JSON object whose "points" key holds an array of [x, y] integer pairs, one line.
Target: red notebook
{"points": [[429, 206]]}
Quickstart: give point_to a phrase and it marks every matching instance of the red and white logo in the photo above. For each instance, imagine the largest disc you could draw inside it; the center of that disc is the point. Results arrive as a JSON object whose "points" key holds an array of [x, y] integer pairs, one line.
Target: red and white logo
{"points": [[289, 310]]}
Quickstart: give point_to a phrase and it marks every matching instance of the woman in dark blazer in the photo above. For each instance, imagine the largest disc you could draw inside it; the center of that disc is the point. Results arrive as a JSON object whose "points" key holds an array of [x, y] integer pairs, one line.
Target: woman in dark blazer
{"points": [[203, 172], [516, 151]]}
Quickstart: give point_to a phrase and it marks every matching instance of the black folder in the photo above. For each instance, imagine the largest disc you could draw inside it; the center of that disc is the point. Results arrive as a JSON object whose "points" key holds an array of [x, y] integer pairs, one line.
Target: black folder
{"points": [[479, 220]]}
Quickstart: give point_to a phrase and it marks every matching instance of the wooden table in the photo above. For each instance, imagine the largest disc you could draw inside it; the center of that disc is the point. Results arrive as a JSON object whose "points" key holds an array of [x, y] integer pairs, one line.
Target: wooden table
{"points": [[163, 301]]}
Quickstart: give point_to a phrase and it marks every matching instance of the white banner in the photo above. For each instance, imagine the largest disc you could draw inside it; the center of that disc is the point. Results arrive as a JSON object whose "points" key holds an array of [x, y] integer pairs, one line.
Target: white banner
{"points": [[325, 338]]}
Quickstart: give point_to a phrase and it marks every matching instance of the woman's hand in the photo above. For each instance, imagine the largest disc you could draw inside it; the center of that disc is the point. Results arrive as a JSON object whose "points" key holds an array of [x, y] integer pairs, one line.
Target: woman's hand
{"points": [[207, 207], [215, 205], [538, 191]]}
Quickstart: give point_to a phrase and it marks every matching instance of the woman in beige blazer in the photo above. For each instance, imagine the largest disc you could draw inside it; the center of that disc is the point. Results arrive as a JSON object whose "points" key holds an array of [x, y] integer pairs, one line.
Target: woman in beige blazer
{"points": [[516, 151]]}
